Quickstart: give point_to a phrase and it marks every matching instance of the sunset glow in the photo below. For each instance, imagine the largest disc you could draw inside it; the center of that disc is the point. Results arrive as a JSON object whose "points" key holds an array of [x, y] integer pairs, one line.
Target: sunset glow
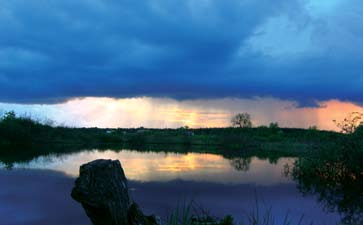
{"points": [[169, 113], [152, 166]]}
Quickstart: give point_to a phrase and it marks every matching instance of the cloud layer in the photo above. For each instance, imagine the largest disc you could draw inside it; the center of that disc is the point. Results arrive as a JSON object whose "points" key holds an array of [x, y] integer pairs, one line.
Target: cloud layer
{"points": [[51, 51]]}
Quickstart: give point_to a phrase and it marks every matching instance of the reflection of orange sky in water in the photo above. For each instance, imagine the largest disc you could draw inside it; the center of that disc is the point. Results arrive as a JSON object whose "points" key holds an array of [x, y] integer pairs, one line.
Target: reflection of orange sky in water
{"points": [[161, 113], [152, 166]]}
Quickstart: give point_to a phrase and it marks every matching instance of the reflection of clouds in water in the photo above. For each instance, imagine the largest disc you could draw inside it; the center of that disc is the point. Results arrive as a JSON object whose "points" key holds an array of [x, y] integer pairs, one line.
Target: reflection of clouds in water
{"points": [[153, 166], [38, 197], [41, 194], [68, 163], [164, 112]]}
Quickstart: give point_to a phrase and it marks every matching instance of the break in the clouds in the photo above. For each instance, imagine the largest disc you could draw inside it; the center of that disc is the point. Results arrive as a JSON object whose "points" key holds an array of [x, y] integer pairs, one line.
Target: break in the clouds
{"points": [[170, 113], [304, 50]]}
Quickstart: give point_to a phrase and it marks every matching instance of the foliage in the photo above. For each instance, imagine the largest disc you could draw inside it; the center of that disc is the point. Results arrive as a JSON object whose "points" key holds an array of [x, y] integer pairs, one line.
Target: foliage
{"points": [[314, 127], [8, 116], [241, 163], [359, 131], [274, 125], [350, 123], [23, 131], [181, 216], [241, 120], [266, 218], [335, 174], [188, 214]]}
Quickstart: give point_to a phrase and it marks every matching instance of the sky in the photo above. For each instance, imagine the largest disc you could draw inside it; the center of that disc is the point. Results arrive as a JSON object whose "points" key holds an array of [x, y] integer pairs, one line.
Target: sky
{"points": [[164, 63]]}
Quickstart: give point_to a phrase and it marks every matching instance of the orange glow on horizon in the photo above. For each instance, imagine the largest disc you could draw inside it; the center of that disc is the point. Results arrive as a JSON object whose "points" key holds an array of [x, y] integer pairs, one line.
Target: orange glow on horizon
{"points": [[168, 113]]}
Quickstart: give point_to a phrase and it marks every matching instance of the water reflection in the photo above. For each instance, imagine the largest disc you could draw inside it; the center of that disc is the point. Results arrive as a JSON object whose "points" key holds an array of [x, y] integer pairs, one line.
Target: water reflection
{"points": [[241, 164], [336, 184], [158, 181], [160, 166], [38, 197], [238, 200]]}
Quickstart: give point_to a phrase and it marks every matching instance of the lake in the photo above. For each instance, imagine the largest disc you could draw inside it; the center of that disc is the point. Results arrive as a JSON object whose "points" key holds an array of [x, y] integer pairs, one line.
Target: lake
{"points": [[37, 191]]}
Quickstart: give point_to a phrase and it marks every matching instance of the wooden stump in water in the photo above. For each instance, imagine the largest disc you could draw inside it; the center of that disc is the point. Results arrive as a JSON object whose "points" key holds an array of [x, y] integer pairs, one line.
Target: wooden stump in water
{"points": [[102, 190]]}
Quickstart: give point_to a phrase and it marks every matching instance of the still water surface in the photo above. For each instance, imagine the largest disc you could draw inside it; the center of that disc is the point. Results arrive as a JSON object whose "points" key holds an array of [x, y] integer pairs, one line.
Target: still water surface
{"points": [[153, 166], [158, 182]]}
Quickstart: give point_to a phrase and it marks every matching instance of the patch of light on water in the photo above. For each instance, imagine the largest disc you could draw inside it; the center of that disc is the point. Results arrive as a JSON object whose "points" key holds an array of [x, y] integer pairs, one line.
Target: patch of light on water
{"points": [[160, 166]]}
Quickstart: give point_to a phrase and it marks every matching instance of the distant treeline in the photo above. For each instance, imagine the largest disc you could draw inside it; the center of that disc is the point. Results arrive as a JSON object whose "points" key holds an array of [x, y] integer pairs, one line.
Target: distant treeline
{"points": [[24, 132]]}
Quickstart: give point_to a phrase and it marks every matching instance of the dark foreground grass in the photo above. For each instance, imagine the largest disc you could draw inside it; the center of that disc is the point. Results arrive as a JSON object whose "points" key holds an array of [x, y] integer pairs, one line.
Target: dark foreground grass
{"points": [[187, 214]]}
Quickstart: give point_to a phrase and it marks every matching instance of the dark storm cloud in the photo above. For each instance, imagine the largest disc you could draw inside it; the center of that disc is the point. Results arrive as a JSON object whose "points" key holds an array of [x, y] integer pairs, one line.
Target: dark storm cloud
{"points": [[54, 50]]}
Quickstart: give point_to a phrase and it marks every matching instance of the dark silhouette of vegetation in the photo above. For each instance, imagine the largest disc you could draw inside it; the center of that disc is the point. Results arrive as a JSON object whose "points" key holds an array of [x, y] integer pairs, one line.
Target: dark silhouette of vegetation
{"points": [[18, 131], [335, 174], [242, 120], [23, 132], [274, 125], [191, 214], [350, 123], [241, 163]]}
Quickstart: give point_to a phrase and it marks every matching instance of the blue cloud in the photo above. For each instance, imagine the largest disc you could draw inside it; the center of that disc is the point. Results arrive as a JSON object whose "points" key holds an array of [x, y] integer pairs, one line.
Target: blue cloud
{"points": [[51, 51]]}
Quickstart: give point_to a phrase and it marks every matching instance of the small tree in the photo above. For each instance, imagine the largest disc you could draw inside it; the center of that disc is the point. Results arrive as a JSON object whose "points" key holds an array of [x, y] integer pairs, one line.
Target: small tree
{"points": [[9, 116], [241, 120], [274, 125], [350, 123]]}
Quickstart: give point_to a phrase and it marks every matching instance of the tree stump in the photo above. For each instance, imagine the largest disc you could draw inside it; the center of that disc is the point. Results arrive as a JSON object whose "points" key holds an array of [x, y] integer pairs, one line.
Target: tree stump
{"points": [[102, 190]]}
